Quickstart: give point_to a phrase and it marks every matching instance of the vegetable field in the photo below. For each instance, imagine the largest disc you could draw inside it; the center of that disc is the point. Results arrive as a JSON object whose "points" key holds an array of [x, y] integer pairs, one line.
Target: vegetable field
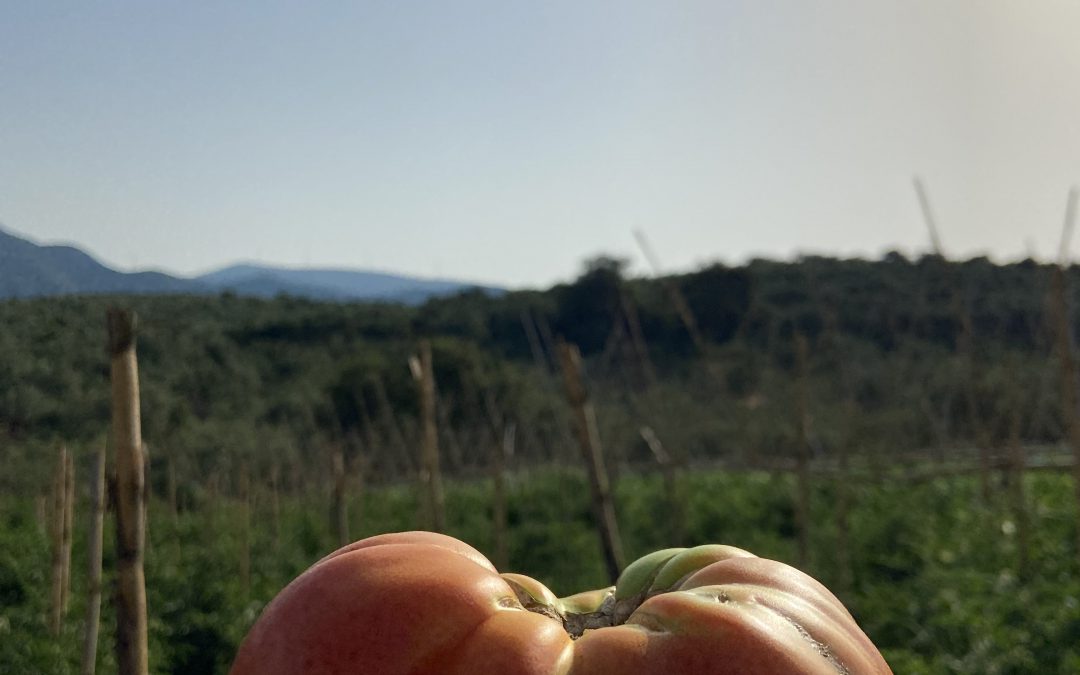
{"points": [[933, 575], [905, 431]]}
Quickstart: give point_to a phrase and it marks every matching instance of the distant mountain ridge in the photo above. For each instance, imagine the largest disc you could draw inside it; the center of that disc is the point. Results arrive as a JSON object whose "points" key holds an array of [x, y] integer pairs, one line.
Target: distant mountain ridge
{"points": [[31, 270], [331, 284]]}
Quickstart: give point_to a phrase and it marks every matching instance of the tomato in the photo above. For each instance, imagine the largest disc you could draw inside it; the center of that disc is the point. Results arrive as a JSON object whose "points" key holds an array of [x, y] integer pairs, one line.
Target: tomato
{"points": [[420, 603]]}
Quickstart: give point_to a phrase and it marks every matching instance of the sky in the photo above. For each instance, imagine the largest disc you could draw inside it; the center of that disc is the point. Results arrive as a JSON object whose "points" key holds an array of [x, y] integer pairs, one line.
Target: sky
{"points": [[505, 142]]}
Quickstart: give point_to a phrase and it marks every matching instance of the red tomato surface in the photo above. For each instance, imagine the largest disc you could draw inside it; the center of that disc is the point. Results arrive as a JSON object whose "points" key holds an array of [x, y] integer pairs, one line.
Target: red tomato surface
{"points": [[419, 603]]}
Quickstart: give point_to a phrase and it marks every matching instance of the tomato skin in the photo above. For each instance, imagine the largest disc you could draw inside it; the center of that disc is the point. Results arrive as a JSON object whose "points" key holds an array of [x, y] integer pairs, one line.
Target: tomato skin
{"points": [[419, 603]]}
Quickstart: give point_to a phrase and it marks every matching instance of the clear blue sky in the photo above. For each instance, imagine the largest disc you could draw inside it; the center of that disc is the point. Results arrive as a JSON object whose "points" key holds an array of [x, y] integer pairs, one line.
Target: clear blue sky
{"points": [[505, 141]]}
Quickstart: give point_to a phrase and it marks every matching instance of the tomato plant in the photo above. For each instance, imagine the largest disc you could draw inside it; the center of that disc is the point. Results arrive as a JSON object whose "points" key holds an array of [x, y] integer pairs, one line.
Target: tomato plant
{"points": [[419, 602]]}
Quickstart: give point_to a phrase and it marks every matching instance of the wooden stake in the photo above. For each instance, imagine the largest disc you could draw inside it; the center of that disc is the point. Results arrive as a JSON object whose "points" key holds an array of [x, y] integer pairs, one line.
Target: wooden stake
{"points": [[637, 338], [533, 336], [1063, 336], [339, 504], [673, 496], [501, 451], [593, 456], [503, 440], [965, 349], [846, 575], [69, 518], [56, 531], [430, 474], [678, 300], [391, 424], [928, 217], [1017, 463], [131, 631], [41, 511], [802, 457], [547, 338], [361, 468], [212, 489], [93, 568], [275, 504], [174, 510], [147, 495], [245, 530], [454, 457]]}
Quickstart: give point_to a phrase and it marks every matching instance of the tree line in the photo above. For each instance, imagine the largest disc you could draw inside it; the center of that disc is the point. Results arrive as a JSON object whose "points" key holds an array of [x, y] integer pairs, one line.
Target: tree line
{"points": [[233, 377]]}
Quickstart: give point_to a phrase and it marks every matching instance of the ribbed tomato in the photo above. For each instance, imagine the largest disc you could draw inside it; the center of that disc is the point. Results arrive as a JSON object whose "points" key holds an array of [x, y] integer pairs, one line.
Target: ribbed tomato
{"points": [[419, 603]]}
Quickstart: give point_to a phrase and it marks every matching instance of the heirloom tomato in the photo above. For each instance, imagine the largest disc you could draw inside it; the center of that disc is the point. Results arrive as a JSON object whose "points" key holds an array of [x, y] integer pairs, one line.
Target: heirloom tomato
{"points": [[419, 603]]}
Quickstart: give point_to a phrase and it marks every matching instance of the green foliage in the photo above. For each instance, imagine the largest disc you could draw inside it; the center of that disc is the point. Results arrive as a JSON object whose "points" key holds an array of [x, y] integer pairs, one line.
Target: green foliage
{"points": [[936, 579], [283, 378], [25, 643], [233, 386]]}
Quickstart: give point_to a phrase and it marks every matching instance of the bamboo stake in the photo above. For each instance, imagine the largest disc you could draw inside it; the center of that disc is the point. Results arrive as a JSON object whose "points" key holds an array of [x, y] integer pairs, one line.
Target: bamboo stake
{"points": [[802, 457], [501, 451], [613, 345], [147, 495], [391, 424], [675, 502], [593, 456], [430, 474], [373, 447], [275, 504], [1065, 351], [212, 490], [936, 426], [1017, 461], [1068, 378], [637, 338], [131, 630], [339, 505], [41, 511], [964, 347], [845, 576], [547, 338], [174, 510], [69, 518], [454, 456], [928, 216], [93, 575], [533, 337], [361, 468], [982, 441], [678, 300], [245, 530], [56, 531]]}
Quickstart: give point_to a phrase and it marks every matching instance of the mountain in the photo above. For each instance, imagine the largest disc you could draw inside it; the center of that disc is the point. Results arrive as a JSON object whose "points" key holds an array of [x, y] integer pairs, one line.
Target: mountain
{"points": [[331, 284], [29, 270]]}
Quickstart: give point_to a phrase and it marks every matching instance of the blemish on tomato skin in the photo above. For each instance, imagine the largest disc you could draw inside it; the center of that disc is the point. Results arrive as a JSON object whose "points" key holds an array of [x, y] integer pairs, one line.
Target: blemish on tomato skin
{"points": [[711, 594], [820, 647]]}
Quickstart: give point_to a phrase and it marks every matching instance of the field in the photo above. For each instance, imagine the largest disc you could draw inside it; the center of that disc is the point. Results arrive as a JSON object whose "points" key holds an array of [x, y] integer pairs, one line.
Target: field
{"points": [[934, 576], [866, 421]]}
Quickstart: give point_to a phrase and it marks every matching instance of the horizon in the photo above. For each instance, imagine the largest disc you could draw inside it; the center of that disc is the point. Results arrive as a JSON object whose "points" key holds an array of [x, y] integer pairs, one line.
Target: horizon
{"points": [[798, 257], [506, 143]]}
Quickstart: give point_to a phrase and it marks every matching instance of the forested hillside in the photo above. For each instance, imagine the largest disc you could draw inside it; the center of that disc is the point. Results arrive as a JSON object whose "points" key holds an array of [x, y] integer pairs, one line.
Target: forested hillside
{"points": [[226, 378]]}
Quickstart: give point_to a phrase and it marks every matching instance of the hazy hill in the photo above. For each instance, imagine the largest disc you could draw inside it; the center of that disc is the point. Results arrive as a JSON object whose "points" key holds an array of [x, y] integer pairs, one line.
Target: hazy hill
{"points": [[330, 284], [28, 270]]}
